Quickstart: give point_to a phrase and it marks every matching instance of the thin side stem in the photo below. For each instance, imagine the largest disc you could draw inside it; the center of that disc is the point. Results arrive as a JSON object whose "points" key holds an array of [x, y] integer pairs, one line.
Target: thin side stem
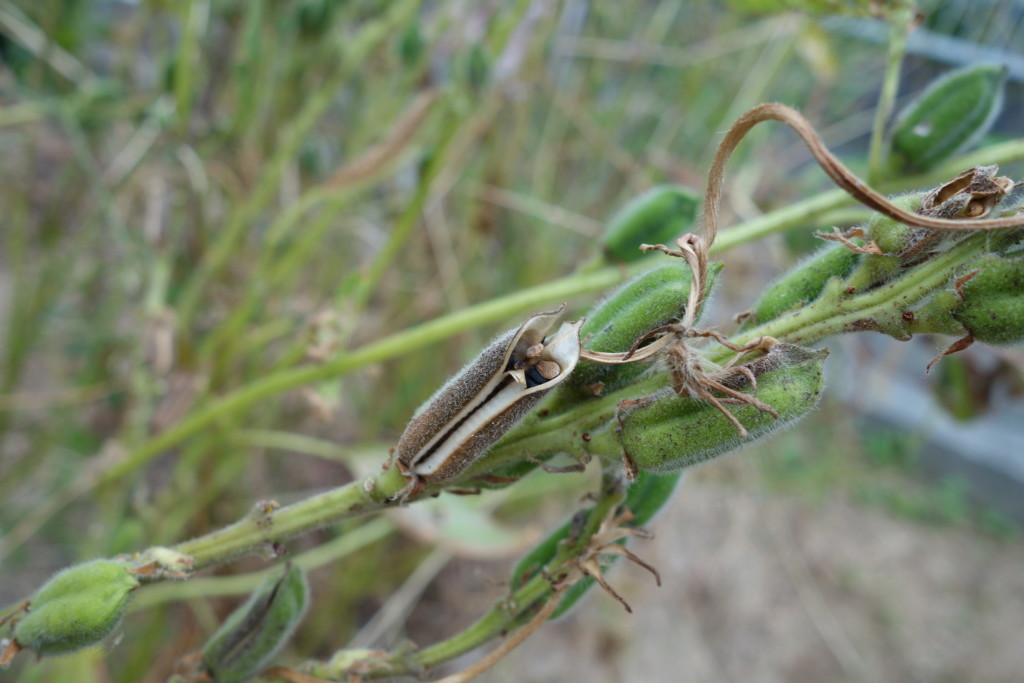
{"points": [[899, 27], [260, 529]]}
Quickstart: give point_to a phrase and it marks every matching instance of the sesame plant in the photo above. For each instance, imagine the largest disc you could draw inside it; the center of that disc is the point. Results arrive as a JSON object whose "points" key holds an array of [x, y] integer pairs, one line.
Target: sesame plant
{"points": [[636, 388]]}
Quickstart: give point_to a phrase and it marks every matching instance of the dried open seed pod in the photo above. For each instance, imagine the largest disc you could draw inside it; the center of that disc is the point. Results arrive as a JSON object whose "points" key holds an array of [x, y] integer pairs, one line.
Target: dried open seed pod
{"points": [[457, 425]]}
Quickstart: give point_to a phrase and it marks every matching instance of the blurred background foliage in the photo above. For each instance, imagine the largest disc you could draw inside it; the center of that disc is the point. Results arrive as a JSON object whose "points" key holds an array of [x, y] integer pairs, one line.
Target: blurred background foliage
{"points": [[213, 200]]}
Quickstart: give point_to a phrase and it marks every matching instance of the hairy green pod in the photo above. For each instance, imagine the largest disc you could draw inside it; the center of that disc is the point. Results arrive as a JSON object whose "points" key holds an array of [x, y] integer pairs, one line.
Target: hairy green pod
{"points": [[892, 238], [993, 300], [653, 298], [658, 216], [77, 608], [666, 433], [890, 235], [250, 637], [949, 116], [804, 282], [315, 17], [998, 321], [478, 67], [411, 45]]}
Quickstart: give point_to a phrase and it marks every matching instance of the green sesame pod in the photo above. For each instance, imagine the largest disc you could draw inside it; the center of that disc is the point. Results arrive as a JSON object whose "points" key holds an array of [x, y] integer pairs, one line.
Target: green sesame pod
{"points": [[411, 45], [478, 68], [668, 433], [250, 637], [649, 493], [804, 282], [77, 608], [658, 216], [653, 298], [889, 234], [993, 300], [998, 321], [949, 116], [315, 17], [892, 238]]}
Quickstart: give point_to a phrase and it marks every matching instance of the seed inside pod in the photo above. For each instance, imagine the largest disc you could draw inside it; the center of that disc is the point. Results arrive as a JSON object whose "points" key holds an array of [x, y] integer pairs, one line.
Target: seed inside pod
{"points": [[548, 369]]}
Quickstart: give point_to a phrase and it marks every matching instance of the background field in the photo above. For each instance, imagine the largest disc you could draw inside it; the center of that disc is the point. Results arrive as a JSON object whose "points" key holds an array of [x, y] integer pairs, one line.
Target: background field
{"points": [[207, 208]]}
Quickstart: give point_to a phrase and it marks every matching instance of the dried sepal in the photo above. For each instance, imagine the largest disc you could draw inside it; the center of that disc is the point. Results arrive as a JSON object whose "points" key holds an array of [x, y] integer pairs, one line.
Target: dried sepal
{"points": [[606, 542]]}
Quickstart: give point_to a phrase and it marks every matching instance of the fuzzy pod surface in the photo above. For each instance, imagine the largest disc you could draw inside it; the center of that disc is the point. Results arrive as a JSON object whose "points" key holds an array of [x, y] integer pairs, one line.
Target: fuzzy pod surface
{"points": [[667, 433], [649, 494], [950, 115], [253, 634], [804, 282], [993, 300], [463, 419], [78, 607], [891, 236], [653, 298], [658, 216]]}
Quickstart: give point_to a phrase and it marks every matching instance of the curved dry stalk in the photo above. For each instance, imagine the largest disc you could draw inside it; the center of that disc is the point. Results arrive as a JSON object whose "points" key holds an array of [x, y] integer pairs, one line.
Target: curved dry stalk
{"points": [[840, 174], [694, 250]]}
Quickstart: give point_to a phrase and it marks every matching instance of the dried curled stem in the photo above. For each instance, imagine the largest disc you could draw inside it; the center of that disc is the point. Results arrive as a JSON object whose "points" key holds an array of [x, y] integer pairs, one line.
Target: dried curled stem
{"points": [[840, 174]]}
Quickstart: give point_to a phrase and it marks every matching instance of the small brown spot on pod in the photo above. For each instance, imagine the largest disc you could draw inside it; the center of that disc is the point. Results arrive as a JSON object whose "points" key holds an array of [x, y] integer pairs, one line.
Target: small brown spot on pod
{"points": [[908, 316], [586, 436]]}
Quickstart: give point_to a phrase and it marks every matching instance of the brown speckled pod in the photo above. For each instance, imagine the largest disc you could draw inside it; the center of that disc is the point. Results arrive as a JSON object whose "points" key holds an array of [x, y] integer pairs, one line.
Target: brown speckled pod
{"points": [[477, 406]]}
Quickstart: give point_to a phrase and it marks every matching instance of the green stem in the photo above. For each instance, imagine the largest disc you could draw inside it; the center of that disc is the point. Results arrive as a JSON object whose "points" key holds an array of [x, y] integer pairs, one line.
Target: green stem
{"points": [[878, 309], [508, 614], [259, 528], [210, 586], [898, 30]]}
